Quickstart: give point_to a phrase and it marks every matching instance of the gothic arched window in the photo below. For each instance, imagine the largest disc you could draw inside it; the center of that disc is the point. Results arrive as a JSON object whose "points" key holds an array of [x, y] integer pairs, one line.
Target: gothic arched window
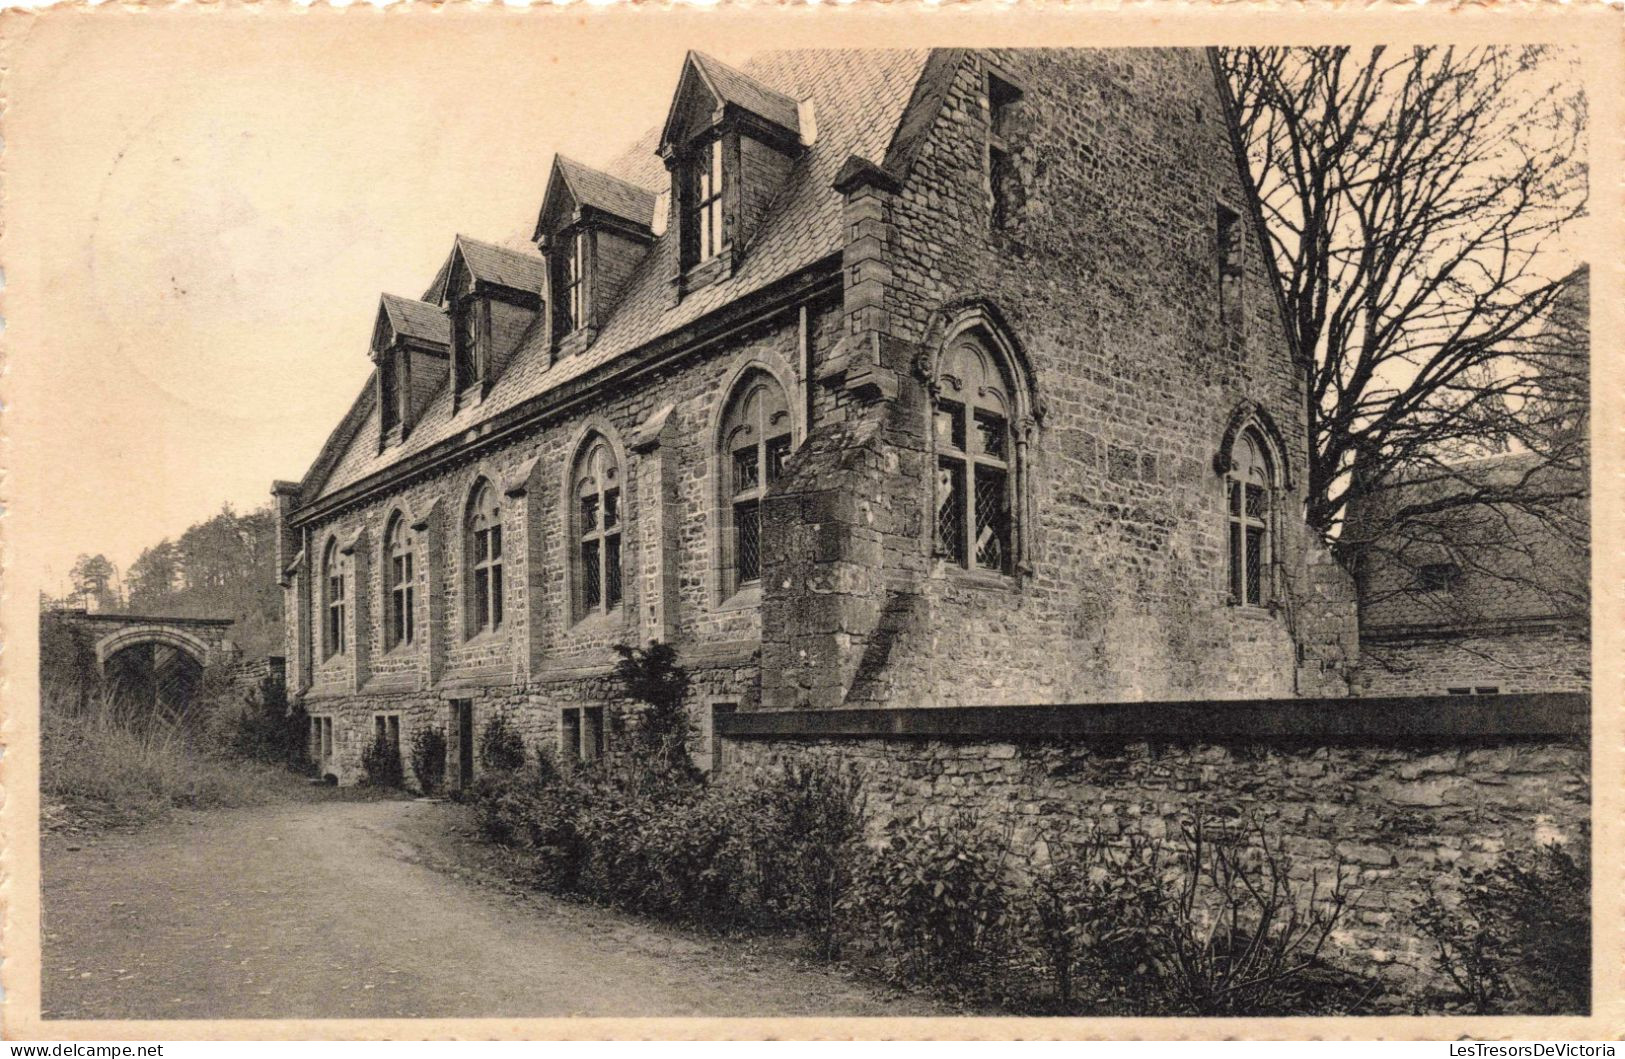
{"points": [[398, 583], [484, 560], [596, 494], [332, 600], [1248, 503], [755, 441], [976, 459]]}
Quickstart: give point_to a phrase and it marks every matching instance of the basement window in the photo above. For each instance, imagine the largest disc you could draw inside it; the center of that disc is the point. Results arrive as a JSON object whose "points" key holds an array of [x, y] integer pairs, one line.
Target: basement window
{"points": [[581, 733]]}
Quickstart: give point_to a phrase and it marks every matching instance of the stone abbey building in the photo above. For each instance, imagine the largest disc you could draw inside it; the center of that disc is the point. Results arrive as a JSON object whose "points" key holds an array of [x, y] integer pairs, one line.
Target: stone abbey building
{"points": [[868, 379]]}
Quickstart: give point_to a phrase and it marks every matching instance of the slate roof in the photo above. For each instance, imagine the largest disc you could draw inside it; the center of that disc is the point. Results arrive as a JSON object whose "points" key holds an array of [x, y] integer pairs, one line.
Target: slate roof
{"points": [[602, 191], [504, 267], [859, 97], [417, 319], [744, 91]]}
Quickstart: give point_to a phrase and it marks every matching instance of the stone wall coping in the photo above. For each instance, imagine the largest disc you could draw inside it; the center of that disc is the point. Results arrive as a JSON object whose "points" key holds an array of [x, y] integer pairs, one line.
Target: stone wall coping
{"points": [[145, 619], [1387, 719]]}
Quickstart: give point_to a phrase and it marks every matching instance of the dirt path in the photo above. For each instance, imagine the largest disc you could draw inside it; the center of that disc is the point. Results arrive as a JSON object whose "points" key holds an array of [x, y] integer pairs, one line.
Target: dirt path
{"points": [[344, 909]]}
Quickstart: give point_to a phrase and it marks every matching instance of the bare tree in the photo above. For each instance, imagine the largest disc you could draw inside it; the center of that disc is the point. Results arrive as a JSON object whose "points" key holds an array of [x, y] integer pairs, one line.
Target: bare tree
{"points": [[1415, 202]]}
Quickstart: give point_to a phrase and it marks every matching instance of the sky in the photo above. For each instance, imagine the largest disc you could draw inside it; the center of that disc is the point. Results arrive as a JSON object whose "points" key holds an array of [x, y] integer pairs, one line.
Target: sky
{"points": [[217, 206]]}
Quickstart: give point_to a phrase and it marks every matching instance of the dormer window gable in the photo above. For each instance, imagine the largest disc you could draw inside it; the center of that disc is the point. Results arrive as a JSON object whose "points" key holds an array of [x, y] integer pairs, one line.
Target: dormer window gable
{"points": [[594, 230], [411, 344], [730, 143], [491, 295]]}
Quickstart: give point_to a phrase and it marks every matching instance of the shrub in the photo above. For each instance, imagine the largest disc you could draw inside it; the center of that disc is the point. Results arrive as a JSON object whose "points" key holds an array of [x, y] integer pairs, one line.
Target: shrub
{"points": [[429, 758], [501, 747], [502, 803], [934, 899], [262, 727], [381, 761], [1085, 917], [1237, 935], [1518, 940], [816, 844], [651, 676]]}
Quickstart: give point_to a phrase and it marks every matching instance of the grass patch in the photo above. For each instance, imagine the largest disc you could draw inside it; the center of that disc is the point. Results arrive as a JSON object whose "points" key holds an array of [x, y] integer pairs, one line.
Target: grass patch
{"points": [[102, 767]]}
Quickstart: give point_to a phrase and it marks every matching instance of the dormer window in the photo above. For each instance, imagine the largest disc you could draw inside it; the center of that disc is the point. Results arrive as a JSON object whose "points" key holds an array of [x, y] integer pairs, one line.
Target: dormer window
{"points": [[730, 143], [492, 294], [704, 227], [569, 287], [410, 347], [594, 230], [465, 343], [389, 392]]}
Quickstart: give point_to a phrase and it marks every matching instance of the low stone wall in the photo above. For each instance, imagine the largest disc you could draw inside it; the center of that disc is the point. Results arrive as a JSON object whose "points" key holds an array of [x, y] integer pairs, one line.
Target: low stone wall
{"points": [[1447, 784]]}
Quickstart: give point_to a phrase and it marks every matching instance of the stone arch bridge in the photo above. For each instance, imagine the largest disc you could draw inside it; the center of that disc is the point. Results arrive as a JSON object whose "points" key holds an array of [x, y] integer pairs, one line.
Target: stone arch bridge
{"points": [[152, 659]]}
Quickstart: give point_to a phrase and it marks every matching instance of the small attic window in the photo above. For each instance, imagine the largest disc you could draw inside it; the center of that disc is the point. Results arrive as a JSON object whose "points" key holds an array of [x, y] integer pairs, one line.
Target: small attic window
{"points": [[1003, 101], [704, 229], [1230, 265], [1438, 577]]}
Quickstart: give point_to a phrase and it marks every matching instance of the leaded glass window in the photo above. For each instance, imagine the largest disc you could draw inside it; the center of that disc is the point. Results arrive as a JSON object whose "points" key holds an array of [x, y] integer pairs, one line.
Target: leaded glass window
{"points": [[484, 560], [598, 528], [756, 443], [1247, 503], [398, 569], [975, 469]]}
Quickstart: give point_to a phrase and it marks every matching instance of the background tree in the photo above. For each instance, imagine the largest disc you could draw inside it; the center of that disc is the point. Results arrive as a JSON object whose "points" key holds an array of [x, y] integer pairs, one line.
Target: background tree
{"points": [[93, 579], [222, 567], [1416, 201]]}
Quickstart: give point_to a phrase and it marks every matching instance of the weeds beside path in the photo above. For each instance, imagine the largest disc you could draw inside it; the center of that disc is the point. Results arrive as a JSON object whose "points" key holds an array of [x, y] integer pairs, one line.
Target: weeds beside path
{"points": [[337, 908]]}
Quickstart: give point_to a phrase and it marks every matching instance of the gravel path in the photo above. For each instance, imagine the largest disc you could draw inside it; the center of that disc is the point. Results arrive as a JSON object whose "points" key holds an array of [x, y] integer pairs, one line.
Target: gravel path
{"points": [[347, 909]]}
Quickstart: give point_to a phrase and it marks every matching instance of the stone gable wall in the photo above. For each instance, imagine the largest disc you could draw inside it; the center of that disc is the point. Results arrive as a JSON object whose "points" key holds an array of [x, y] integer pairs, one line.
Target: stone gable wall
{"points": [[1107, 277]]}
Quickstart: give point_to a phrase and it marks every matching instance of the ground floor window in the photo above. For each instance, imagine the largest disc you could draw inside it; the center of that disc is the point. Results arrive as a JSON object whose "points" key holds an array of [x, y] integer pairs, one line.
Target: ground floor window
{"points": [[387, 726], [709, 758], [581, 733], [462, 748], [321, 740], [1478, 689]]}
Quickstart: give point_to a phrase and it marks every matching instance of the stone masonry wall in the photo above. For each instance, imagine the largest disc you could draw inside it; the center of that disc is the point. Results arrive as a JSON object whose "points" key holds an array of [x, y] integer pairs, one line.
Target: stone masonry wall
{"points": [[1395, 817], [1106, 279], [1550, 659]]}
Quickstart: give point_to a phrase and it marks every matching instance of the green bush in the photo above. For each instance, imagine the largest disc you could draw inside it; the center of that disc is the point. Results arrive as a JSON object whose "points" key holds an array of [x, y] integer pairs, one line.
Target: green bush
{"points": [[935, 902], [381, 762], [658, 737], [1517, 941], [429, 758], [501, 747]]}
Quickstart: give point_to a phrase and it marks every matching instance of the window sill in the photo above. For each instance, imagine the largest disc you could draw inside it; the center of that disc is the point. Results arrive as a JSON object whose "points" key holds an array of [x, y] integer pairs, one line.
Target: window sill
{"points": [[1254, 611], [600, 619], [747, 597], [702, 275], [977, 578], [486, 636]]}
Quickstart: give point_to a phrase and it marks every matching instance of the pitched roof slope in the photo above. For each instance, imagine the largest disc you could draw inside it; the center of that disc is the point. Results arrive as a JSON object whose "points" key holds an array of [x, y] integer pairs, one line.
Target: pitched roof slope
{"points": [[743, 90], [418, 319], [608, 193], [859, 98]]}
